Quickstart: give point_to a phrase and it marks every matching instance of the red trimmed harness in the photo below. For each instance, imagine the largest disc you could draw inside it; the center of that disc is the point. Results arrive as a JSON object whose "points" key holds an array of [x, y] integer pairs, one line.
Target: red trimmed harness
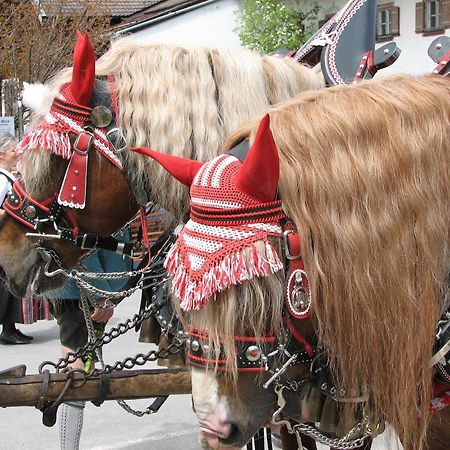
{"points": [[252, 354], [72, 193]]}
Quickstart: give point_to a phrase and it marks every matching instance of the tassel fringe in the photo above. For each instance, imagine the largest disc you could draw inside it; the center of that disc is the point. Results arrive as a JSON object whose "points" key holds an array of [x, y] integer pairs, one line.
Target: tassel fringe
{"points": [[232, 270], [54, 141]]}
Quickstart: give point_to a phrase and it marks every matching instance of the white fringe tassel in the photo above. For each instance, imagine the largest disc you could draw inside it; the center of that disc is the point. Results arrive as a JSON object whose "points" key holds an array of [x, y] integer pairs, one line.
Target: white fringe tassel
{"points": [[232, 270]]}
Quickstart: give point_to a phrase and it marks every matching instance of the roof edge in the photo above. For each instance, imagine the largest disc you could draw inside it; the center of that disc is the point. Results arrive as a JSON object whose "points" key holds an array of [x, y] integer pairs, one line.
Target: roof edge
{"points": [[163, 17]]}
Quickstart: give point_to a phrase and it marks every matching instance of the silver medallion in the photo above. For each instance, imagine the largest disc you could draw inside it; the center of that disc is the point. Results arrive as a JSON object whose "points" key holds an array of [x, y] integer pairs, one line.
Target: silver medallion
{"points": [[30, 212], [101, 116], [298, 294]]}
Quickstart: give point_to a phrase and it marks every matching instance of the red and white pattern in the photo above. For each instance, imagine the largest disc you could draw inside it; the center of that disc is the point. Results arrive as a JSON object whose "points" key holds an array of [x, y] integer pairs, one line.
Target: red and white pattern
{"points": [[209, 256], [52, 134]]}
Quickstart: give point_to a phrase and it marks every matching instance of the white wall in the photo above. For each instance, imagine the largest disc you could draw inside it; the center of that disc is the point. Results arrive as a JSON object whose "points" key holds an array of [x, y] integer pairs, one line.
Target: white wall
{"points": [[210, 25], [214, 25]]}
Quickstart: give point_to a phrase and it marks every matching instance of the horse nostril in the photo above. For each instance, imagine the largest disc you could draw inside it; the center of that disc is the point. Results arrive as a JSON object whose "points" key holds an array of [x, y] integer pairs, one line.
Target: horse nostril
{"points": [[232, 436]]}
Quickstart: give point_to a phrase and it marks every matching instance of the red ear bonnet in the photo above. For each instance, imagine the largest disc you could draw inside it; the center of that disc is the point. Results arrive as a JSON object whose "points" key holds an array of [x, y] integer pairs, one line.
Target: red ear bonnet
{"points": [[183, 169], [258, 176], [83, 75]]}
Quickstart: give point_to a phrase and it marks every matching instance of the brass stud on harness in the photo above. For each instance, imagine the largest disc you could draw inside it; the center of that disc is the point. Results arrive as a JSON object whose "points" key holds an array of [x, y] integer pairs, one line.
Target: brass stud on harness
{"points": [[195, 346], [253, 353], [30, 212]]}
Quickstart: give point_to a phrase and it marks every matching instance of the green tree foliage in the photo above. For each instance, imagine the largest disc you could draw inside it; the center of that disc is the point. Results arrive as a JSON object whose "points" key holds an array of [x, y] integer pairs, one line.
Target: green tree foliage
{"points": [[267, 25]]}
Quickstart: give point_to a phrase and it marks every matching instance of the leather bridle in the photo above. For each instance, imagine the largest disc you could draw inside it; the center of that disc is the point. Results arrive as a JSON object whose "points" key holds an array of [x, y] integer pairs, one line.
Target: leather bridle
{"points": [[55, 212]]}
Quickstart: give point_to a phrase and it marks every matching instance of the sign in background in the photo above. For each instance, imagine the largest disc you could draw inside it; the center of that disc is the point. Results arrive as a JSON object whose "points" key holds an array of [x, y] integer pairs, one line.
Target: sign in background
{"points": [[7, 125]]}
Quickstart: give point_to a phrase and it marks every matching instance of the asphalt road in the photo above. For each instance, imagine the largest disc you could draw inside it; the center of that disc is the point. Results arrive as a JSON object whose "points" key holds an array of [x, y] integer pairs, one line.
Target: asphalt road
{"points": [[108, 427]]}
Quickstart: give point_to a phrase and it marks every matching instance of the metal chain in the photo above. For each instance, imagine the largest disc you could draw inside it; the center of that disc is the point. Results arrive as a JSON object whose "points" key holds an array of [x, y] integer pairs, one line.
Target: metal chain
{"points": [[86, 306], [99, 353], [115, 332], [135, 412], [138, 360], [79, 275], [345, 443]]}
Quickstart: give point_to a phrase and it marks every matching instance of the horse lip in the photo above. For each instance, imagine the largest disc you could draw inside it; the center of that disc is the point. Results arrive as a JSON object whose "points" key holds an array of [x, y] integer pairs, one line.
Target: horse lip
{"points": [[208, 431]]}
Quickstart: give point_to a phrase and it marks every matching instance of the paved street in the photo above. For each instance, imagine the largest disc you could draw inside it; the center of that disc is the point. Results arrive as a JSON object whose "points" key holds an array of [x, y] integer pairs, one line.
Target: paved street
{"points": [[107, 427]]}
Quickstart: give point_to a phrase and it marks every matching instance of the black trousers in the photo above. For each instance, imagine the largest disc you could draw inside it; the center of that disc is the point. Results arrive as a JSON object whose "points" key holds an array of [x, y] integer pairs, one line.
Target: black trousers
{"points": [[10, 306]]}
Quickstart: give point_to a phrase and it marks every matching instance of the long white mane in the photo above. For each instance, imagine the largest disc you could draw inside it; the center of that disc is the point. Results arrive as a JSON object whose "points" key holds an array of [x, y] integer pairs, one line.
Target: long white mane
{"points": [[183, 101]]}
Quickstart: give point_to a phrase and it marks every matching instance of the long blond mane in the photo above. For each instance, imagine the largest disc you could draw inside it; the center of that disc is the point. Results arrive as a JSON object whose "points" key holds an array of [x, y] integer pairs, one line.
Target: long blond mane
{"points": [[364, 177], [185, 101]]}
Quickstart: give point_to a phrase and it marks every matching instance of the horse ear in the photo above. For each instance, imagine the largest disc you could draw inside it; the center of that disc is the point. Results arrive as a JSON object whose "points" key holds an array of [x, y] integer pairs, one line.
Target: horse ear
{"points": [[259, 173], [183, 169], [83, 75]]}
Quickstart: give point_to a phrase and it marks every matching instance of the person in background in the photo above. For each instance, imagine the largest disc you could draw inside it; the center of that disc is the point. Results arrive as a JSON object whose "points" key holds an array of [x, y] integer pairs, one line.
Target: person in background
{"points": [[11, 311], [65, 305], [73, 332]]}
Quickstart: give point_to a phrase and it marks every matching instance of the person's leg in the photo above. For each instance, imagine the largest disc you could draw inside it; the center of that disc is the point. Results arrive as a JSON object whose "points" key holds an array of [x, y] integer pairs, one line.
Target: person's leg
{"points": [[9, 328], [10, 314], [71, 414], [72, 335]]}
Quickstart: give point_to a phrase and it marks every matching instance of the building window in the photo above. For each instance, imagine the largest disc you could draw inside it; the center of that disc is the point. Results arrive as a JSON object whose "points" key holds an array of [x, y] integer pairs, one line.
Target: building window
{"points": [[383, 22], [432, 14], [388, 21]]}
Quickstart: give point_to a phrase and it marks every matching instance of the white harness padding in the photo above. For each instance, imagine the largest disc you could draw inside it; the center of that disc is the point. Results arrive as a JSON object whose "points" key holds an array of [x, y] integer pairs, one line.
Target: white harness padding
{"points": [[6, 181]]}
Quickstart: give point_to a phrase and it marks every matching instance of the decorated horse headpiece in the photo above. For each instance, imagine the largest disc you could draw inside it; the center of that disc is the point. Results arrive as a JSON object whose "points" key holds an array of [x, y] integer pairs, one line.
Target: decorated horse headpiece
{"points": [[233, 205], [81, 117], [71, 112]]}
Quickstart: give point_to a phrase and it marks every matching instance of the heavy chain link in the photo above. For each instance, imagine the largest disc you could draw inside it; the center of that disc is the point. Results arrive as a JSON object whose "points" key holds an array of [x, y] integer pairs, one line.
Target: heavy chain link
{"points": [[80, 276], [115, 332]]}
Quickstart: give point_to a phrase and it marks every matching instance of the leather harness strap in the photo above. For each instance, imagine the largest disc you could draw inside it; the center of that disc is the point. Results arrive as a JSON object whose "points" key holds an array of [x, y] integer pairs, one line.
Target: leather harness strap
{"points": [[74, 186], [72, 194]]}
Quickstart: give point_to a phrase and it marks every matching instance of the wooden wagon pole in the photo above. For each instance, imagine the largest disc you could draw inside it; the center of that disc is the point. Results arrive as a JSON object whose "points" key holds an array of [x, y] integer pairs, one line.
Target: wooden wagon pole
{"points": [[18, 389]]}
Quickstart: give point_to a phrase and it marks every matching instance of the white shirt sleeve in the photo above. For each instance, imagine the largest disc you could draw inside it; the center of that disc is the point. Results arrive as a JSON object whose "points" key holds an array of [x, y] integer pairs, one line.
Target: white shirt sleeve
{"points": [[5, 184]]}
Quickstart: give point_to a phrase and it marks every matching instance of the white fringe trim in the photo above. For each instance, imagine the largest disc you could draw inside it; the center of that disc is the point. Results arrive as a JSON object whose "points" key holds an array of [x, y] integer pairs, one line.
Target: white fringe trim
{"points": [[232, 270]]}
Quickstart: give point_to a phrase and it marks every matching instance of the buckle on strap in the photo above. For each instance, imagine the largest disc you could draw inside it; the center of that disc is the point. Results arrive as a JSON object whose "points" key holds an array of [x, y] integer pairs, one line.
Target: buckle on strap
{"points": [[289, 235], [83, 142], [88, 241], [116, 139]]}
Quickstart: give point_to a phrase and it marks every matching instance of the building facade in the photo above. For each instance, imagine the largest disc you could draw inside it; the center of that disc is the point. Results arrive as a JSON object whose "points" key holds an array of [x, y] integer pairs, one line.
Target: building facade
{"points": [[412, 25], [209, 22]]}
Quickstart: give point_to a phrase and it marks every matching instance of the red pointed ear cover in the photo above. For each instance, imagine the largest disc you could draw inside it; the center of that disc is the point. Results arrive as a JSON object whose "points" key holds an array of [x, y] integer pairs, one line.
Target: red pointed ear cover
{"points": [[258, 176], [83, 75], [183, 169]]}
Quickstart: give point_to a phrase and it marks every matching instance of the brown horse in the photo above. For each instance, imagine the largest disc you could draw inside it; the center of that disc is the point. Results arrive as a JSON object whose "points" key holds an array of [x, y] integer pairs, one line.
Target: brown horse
{"points": [[181, 100], [363, 180]]}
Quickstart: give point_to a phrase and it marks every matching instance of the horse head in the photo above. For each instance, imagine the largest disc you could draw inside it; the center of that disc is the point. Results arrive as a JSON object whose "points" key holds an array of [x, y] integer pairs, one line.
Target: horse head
{"points": [[133, 95], [233, 237], [53, 213], [361, 173]]}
